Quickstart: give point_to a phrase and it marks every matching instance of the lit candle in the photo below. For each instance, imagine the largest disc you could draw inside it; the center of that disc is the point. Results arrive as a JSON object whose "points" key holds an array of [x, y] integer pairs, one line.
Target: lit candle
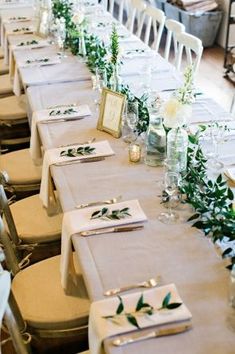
{"points": [[134, 152]]}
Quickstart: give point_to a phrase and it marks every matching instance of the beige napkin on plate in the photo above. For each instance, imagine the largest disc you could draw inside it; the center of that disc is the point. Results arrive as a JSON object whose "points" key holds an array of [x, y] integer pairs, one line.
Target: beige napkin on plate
{"points": [[101, 328], [12, 65], [44, 115], [80, 220], [17, 84], [52, 156]]}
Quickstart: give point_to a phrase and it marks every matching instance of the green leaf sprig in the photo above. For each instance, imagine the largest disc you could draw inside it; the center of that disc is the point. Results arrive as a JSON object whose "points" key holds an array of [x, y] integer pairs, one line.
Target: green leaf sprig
{"points": [[21, 29], [43, 60], [142, 309], [27, 43], [114, 46], [80, 151], [106, 214], [58, 112]]}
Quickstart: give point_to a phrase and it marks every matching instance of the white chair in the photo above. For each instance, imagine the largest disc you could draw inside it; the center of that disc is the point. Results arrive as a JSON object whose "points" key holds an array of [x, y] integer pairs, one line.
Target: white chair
{"points": [[193, 47], [6, 88], [4, 69], [14, 128], [173, 27], [41, 235], [48, 313], [137, 8], [155, 18], [1, 53], [18, 173]]}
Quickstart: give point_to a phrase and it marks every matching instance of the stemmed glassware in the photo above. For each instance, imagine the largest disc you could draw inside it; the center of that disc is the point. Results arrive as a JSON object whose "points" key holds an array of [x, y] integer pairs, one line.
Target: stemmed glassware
{"points": [[129, 122], [99, 82], [210, 141], [61, 37], [171, 183]]}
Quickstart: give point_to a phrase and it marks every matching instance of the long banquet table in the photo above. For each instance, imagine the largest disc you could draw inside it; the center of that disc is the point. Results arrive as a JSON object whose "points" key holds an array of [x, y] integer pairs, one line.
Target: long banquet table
{"points": [[179, 253]]}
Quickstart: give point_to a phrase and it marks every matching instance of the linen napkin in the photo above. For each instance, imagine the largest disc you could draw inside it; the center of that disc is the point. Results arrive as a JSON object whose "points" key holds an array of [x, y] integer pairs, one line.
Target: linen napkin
{"points": [[101, 328], [51, 115], [31, 62], [52, 156], [22, 46], [80, 220]]}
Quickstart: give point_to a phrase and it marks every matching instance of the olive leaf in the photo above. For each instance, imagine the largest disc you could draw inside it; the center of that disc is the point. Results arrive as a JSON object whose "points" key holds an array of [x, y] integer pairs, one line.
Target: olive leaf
{"points": [[80, 151]]}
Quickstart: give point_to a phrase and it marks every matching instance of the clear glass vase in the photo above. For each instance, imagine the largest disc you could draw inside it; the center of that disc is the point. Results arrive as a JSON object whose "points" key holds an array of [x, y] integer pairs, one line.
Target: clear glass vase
{"points": [[115, 80], [82, 44], [177, 146]]}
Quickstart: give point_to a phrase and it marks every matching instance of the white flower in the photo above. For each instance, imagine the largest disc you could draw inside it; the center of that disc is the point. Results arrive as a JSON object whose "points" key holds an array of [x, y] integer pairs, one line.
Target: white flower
{"points": [[176, 113], [78, 18]]}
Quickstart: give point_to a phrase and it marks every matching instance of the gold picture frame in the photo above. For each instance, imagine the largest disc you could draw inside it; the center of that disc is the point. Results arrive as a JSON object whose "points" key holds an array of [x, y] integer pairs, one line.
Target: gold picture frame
{"points": [[111, 110]]}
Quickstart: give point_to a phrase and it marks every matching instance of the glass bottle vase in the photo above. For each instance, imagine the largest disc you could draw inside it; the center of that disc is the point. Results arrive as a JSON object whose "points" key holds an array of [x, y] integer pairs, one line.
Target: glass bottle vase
{"points": [[177, 146]]}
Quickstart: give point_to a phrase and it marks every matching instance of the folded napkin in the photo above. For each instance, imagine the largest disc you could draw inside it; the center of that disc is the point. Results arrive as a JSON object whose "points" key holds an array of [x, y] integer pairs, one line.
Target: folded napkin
{"points": [[52, 115], [52, 156], [230, 173], [101, 328], [80, 220], [31, 44], [31, 62]]}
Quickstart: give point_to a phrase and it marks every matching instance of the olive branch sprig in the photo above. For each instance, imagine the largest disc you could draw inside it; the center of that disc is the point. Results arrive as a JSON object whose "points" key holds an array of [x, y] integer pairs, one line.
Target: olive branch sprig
{"points": [[80, 151], [142, 308], [106, 214], [57, 112]]}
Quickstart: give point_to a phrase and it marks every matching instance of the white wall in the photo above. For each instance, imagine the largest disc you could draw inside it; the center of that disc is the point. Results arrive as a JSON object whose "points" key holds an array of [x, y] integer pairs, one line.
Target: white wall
{"points": [[224, 5]]}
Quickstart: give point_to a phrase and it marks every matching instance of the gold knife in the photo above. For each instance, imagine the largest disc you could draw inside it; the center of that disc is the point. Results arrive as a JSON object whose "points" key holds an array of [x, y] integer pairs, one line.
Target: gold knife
{"points": [[137, 337], [111, 229], [79, 160]]}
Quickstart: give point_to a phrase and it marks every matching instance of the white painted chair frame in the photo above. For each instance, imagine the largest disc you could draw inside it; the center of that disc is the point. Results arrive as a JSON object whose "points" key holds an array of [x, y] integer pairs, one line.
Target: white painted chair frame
{"points": [[155, 18], [173, 27], [137, 8], [191, 44]]}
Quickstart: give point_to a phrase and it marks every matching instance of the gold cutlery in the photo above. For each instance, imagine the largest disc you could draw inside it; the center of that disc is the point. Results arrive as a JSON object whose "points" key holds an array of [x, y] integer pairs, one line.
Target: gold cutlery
{"points": [[100, 202], [62, 105], [151, 283], [59, 120], [82, 143], [111, 229], [87, 160], [137, 337]]}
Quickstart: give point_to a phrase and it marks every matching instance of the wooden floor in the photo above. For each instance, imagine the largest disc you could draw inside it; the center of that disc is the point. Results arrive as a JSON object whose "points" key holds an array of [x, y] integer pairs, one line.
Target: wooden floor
{"points": [[210, 77]]}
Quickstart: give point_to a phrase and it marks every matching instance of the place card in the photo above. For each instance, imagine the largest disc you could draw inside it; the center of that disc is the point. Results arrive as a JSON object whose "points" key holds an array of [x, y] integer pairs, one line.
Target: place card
{"points": [[111, 110]]}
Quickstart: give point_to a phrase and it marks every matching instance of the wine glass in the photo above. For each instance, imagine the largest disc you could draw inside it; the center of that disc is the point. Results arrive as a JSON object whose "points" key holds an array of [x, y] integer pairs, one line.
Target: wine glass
{"points": [[99, 82], [171, 182], [61, 37], [129, 122]]}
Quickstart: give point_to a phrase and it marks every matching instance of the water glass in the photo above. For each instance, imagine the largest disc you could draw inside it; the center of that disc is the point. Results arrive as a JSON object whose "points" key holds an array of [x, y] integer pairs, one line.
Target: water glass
{"points": [[129, 122], [171, 182]]}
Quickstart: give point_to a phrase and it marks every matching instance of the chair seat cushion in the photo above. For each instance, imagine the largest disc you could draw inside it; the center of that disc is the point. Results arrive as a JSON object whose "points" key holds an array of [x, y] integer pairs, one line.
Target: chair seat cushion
{"points": [[1, 53], [4, 69], [5, 84], [20, 168], [42, 300], [12, 108], [32, 222]]}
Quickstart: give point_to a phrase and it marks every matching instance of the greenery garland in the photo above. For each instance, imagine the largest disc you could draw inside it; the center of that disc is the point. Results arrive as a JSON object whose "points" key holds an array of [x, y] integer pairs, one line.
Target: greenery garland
{"points": [[212, 200]]}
